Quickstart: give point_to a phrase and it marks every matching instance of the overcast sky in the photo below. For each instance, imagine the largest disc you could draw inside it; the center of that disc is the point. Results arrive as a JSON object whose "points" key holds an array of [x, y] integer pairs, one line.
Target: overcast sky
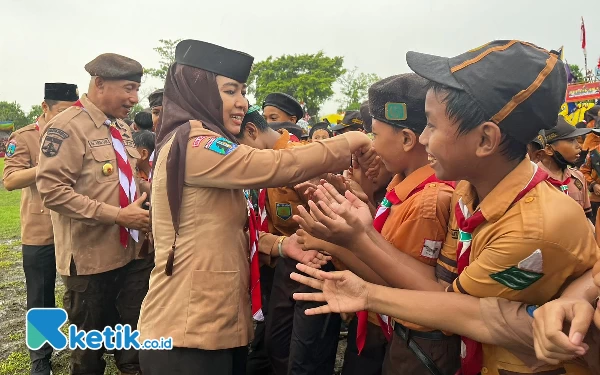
{"points": [[51, 41]]}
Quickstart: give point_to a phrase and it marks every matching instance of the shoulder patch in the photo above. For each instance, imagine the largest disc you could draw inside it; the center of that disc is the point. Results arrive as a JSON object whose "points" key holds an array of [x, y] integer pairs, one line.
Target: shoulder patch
{"points": [[515, 278], [52, 141], [11, 148], [199, 140], [283, 210], [578, 184], [220, 145], [431, 249]]}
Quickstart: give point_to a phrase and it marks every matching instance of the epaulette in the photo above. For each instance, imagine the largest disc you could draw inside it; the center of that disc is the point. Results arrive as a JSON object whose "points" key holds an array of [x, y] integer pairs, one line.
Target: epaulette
{"points": [[24, 129]]}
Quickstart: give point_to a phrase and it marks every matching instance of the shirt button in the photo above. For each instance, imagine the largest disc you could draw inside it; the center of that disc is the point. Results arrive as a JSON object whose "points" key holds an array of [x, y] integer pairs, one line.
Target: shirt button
{"points": [[484, 370], [41, 210], [433, 185], [529, 199]]}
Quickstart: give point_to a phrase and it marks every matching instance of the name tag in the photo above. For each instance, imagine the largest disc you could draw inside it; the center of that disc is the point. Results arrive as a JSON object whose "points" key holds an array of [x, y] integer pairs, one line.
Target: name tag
{"points": [[99, 142]]}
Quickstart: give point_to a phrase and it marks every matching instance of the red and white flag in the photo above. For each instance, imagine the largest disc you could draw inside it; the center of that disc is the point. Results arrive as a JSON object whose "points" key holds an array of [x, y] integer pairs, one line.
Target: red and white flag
{"points": [[583, 42]]}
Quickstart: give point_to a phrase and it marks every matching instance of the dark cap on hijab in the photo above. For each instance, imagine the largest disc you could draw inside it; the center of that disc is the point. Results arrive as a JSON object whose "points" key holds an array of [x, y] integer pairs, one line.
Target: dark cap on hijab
{"points": [[191, 93], [352, 119], [155, 99], [62, 92], [216, 59], [284, 102], [400, 101]]}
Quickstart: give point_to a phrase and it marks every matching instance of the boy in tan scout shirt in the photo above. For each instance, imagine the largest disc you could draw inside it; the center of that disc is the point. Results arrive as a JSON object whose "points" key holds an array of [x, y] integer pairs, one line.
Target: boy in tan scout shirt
{"points": [[512, 246], [98, 217], [21, 161], [561, 150], [412, 220]]}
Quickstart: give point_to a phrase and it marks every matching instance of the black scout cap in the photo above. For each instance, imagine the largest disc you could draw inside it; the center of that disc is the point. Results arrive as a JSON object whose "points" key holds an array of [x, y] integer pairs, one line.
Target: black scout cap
{"points": [[216, 59], [155, 99], [115, 67], [400, 101], [593, 112], [540, 139], [518, 85], [564, 130], [284, 102], [62, 92], [352, 119], [289, 126]]}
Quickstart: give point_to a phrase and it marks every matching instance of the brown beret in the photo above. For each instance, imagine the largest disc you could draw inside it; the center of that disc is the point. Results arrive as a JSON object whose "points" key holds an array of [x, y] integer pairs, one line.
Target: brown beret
{"points": [[115, 67]]}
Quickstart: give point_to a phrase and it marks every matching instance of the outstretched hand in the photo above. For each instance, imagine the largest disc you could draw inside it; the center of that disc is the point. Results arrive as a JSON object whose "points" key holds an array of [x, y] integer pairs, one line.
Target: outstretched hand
{"points": [[311, 258], [343, 291]]}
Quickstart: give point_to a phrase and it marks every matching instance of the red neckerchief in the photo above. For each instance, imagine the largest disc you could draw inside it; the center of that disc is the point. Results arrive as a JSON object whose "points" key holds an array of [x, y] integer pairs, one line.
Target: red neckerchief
{"points": [[472, 356], [255, 292], [127, 186], [383, 212], [561, 185]]}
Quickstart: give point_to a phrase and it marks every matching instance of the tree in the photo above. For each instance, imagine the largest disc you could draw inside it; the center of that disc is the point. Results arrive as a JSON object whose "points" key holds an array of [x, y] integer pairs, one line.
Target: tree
{"points": [[167, 57], [13, 112], [308, 78], [35, 112], [577, 73], [355, 88]]}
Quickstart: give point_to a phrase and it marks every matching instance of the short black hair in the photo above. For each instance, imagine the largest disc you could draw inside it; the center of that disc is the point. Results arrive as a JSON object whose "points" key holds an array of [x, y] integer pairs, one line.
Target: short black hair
{"points": [[145, 139], [143, 120], [254, 117], [461, 108], [320, 126], [51, 103]]}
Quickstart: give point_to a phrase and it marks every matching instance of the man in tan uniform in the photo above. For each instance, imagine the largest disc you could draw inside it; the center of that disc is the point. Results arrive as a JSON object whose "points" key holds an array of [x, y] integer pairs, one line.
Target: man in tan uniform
{"points": [[98, 217], [21, 165]]}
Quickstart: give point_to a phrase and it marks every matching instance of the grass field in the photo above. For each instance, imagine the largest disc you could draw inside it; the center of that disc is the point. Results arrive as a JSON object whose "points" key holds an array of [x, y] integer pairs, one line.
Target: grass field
{"points": [[14, 357]]}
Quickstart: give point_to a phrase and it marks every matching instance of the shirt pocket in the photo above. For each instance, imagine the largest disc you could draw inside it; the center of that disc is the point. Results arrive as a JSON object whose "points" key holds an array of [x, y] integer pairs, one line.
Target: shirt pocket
{"points": [[105, 165], [214, 302]]}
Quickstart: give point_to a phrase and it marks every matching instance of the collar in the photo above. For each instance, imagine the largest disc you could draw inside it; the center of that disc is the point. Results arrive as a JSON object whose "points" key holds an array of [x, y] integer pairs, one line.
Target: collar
{"points": [[404, 187], [95, 113], [565, 175], [499, 200], [282, 141]]}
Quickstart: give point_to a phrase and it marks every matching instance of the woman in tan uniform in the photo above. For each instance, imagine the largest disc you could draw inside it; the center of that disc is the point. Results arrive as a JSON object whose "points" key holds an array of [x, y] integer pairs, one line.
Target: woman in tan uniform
{"points": [[201, 290]]}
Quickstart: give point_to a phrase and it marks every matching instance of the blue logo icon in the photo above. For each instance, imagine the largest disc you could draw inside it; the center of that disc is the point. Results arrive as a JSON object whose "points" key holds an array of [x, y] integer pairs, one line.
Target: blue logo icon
{"points": [[43, 326]]}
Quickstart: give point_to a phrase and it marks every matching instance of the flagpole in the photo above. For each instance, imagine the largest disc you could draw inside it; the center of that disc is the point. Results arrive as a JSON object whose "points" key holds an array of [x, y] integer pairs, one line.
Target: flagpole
{"points": [[583, 45]]}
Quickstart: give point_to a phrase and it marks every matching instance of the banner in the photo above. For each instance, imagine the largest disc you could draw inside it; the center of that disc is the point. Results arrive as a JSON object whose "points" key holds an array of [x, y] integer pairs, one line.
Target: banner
{"points": [[583, 91]]}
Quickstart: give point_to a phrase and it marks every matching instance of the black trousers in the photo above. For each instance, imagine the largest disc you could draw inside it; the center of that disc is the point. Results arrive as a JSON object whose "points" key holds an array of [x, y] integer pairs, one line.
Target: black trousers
{"points": [[93, 302], [39, 265], [187, 361], [370, 360], [278, 332], [314, 341], [258, 360]]}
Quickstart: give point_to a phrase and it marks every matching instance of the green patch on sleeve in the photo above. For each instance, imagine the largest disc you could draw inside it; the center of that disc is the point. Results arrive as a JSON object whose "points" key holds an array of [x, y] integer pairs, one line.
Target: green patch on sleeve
{"points": [[516, 279]]}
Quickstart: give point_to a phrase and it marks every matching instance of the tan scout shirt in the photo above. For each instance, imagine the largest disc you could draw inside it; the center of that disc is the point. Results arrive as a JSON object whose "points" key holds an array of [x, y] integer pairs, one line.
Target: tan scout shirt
{"points": [[36, 225], [84, 200], [205, 303], [511, 326], [577, 186], [282, 202], [525, 252]]}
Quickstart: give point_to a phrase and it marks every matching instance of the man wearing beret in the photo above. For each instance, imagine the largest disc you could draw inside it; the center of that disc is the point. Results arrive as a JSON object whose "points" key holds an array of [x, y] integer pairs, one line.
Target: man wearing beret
{"points": [[280, 107], [86, 178], [21, 165]]}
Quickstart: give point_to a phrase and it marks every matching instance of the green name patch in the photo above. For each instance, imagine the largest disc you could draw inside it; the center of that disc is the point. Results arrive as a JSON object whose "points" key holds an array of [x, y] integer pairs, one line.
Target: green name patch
{"points": [[283, 210], [516, 279]]}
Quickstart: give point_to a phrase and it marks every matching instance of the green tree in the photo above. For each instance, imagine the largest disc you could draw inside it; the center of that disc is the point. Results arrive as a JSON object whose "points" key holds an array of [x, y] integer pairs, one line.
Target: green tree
{"points": [[35, 112], [355, 88], [166, 51], [576, 71], [13, 112], [308, 78]]}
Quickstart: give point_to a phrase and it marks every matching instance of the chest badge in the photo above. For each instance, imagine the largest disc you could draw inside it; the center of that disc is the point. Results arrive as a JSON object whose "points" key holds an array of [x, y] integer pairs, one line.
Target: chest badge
{"points": [[107, 169]]}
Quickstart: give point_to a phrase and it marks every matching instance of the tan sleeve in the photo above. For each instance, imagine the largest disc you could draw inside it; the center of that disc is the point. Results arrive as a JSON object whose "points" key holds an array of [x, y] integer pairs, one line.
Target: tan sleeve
{"points": [[218, 163], [586, 169], [587, 204], [21, 159], [58, 174], [266, 244]]}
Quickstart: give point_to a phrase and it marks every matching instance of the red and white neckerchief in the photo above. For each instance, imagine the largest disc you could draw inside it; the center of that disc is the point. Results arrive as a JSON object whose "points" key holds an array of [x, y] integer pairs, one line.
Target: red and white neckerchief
{"points": [[37, 126], [471, 353], [262, 210], [561, 185], [383, 212], [255, 292], [127, 186]]}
